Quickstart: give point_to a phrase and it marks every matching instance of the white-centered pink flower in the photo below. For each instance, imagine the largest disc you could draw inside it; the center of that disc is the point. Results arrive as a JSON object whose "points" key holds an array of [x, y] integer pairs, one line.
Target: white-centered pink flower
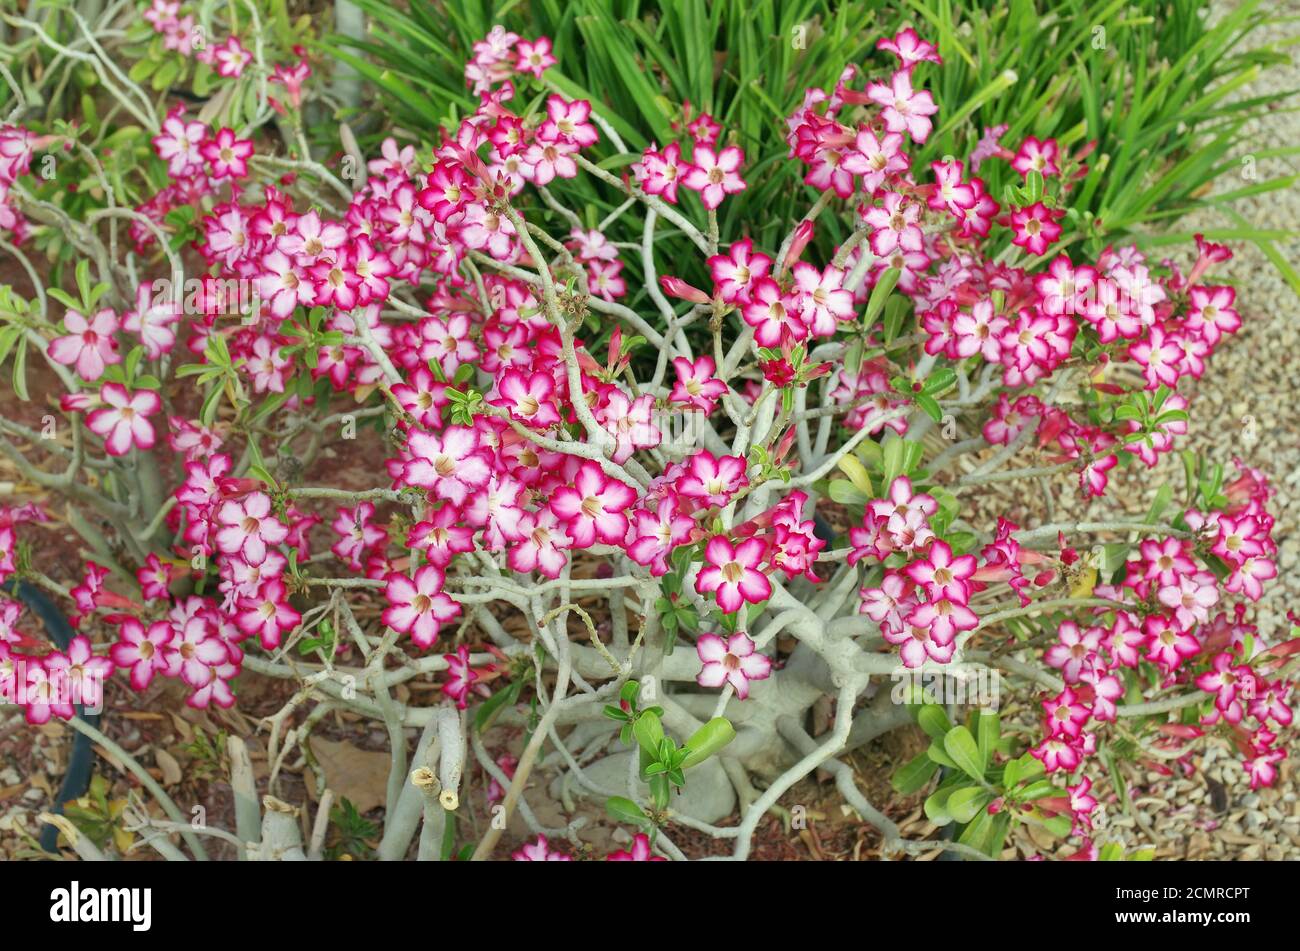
{"points": [[594, 507], [88, 345], [248, 528], [418, 606], [733, 661], [732, 574], [715, 175], [123, 422]]}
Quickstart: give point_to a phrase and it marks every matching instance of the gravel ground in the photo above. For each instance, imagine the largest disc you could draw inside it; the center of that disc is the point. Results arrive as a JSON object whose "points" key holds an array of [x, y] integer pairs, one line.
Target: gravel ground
{"points": [[1250, 385]]}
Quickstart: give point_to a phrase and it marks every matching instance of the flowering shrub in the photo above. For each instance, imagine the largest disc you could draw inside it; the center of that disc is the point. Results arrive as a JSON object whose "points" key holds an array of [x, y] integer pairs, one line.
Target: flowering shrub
{"points": [[781, 471]]}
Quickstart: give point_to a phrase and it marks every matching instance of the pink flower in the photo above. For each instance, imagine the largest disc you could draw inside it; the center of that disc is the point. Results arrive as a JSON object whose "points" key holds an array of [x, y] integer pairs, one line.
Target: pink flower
{"points": [[460, 677], [1159, 357], [89, 344], [909, 48], [703, 129], [1035, 228], [732, 661], [142, 651], [917, 643], [942, 575], [1056, 752], [81, 672], [539, 851], [1262, 768], [605, 280], [8, 546], [1248, 577], [248, 528], [227, 155], [194, 651], [530, 399], [1212, 313], [1228, 681], [1081, 802], [734, 273], [178, 143], [1075, 651], [267, 614], [943, 618], [451, 465], [46, 694], [356, 534], [542, 162], [569, 121], [713, 481], [659, 173], [696, 385], [1167, 644], [654, 536], [124, 423], [640, 850], [292, 78], [440, 538], [154, 577], [820, 298], [1191, 598], [417, 606], [715, 175], [534, 58], [231, 58], [904, 109], [732, 574], [152, 322], [542, 546], [875, 158], [1035, 156], [593, 508]]}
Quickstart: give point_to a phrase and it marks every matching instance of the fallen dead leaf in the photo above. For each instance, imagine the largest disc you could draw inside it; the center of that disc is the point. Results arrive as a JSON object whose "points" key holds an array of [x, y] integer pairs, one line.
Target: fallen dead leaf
{"points": [[171, 770], [352, 773]]}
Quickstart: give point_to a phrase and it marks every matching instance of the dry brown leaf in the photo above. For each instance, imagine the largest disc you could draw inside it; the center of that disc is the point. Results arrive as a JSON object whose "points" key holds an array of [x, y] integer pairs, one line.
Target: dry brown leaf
{"points": [[171, 770], [352, 773], [183, 728]]}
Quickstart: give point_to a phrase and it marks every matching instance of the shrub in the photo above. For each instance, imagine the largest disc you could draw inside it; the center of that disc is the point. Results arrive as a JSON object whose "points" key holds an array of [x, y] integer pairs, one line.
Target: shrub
{"points": [[764, 494]]}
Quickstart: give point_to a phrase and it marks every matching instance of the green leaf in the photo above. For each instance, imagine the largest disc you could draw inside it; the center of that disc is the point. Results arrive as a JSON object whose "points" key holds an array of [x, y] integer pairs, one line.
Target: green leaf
{"points": [[934, 721], [488, 710], [1036, 791], [8, 337], [707, 740], [649, 733], [962, 748], [988, 728], [965, 803], [142, 70], [936, 807], [83, 283], [846, 493], [936, 753], [912, 776], [64, 298], [621, 809], [940, 380], [930, 405], [20, 374], [879, 294]]}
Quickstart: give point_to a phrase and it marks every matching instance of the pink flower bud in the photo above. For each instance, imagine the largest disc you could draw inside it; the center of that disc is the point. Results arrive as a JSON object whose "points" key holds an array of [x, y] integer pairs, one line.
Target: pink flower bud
{"points": [[803, 234], [676, 287]]}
